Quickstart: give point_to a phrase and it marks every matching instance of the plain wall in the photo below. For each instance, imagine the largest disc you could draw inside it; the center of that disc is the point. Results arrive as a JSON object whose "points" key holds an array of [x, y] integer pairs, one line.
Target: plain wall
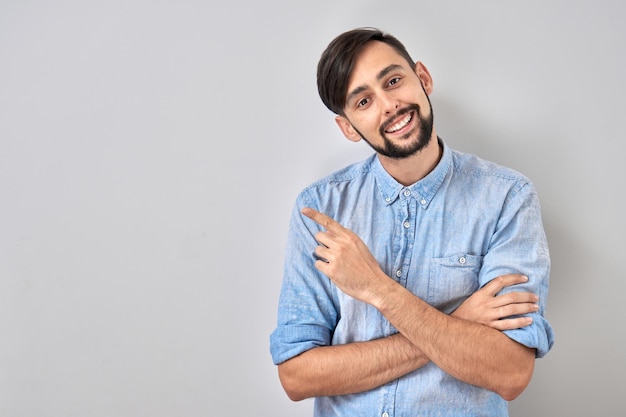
{"points": [[151, 151]]}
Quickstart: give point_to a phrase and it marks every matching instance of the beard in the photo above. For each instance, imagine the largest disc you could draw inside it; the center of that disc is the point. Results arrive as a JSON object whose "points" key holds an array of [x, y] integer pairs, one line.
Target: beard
{"points": [[422, 139]]}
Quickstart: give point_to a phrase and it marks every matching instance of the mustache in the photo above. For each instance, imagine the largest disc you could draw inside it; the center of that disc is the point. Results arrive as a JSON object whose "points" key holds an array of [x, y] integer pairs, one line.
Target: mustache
{"points": [[404, 110]]}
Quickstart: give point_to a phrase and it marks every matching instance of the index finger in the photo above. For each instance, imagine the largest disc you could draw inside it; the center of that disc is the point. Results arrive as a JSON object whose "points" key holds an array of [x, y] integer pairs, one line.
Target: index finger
{"points": [[323, 220]]}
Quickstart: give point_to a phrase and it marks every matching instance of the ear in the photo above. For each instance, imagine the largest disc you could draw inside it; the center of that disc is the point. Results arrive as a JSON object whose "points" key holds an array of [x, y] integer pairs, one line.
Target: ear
{"points": [[424, 76], [347, 129]]}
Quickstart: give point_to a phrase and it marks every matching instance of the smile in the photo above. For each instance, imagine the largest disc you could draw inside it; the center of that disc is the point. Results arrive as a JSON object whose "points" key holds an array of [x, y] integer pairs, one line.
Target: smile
{"points": [[402, 123]]}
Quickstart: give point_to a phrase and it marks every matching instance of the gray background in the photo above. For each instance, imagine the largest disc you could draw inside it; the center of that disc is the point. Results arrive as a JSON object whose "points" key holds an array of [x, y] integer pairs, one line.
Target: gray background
{"points": [[150, 153]]}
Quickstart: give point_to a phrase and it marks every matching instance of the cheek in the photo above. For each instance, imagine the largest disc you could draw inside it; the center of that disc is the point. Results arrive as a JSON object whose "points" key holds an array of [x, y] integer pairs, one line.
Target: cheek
{"points": [[369, 121]]}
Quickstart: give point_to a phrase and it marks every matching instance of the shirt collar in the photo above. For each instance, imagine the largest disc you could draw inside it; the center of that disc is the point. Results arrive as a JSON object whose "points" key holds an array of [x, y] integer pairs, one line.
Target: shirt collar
{"points": [[423, 191]]}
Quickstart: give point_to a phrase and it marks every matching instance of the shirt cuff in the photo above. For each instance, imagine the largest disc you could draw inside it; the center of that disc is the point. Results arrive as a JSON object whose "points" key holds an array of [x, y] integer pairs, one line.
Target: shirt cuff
{"points": [[538, 335], [288, 341]]}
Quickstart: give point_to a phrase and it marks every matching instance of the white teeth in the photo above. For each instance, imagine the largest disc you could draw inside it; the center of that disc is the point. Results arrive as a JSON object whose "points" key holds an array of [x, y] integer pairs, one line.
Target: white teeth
{"points": [[400, 124]]}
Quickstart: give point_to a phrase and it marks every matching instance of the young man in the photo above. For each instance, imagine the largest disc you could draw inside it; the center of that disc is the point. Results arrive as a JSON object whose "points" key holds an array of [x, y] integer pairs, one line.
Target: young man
{"points": [[415, 281]]}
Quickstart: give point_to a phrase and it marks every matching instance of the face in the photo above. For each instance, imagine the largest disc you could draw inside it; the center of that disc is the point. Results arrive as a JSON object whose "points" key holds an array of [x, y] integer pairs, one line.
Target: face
{"points": [[387, 103]]}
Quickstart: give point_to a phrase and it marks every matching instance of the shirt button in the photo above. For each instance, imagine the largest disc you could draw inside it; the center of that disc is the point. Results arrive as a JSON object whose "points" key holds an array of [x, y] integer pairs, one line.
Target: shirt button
{"points": [[388, 199], [399, 273], [423, 202], [462, 260], [407, 192], [406, 225], [385, 415]]}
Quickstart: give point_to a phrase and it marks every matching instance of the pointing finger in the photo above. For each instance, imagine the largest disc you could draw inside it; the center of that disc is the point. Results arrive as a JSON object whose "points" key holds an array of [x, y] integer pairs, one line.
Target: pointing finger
{"points": [[323, 220]]}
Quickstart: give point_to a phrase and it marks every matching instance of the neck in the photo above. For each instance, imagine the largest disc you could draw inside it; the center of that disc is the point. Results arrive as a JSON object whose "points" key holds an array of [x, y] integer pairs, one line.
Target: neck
{"points": [[408, 171]]}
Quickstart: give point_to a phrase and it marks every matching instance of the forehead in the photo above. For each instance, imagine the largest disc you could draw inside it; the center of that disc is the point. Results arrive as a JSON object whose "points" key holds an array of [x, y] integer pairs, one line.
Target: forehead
{"points": [[373, 58]]}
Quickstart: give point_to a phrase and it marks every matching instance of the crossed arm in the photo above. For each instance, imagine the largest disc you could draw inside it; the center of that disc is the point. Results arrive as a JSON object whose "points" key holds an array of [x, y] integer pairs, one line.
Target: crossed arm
{"points": [[468, 344]]}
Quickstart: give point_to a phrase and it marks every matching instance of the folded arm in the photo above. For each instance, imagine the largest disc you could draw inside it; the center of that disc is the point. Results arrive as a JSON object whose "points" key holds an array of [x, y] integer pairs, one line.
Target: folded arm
{"points": [[349, 368], [468, 350], [358, 367]]}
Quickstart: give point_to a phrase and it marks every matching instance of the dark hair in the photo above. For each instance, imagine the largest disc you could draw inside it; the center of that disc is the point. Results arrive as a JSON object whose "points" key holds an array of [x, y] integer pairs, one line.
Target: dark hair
{"points": [[337, 61]]}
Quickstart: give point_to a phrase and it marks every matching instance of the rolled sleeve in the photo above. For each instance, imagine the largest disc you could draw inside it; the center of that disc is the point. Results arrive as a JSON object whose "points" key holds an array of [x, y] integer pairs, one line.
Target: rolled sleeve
{"points": [[519, 246], [290, 340], [538, 335], [307, 308]]}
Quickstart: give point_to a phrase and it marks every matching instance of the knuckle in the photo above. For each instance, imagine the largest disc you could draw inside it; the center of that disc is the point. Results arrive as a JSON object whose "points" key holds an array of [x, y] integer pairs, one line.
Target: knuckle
{"points": [[353, 239], [501, 281], [498, 325], [511, 297], [507, 310]]}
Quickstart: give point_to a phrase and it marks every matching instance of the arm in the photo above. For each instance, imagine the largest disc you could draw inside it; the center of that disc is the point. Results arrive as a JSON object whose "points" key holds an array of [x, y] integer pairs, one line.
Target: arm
{"points": [[469, 351], [358, 367], [349, 368]]}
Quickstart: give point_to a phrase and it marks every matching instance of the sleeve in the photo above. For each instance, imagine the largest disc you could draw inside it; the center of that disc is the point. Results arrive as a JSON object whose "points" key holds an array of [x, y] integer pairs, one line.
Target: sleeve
{"points": [[307, 307], [519, 246]]}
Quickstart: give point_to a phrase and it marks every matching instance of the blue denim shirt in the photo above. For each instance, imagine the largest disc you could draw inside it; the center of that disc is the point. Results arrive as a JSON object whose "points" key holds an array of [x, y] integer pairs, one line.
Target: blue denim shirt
{"points": [[442, 238]]}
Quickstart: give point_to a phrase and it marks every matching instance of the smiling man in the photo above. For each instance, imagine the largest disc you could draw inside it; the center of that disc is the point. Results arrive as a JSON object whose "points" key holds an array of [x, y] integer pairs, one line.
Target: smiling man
{"points": [[415, 281]]}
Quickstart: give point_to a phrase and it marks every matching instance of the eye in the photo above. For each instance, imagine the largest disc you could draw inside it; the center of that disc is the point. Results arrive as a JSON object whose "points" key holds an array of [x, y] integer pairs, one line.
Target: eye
{"points": [[394, 81], [363, 102]]}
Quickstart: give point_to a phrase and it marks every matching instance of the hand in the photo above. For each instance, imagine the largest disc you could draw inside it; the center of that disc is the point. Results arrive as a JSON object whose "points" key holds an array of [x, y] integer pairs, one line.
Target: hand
{"points": [[346, 259], [492, 310]]}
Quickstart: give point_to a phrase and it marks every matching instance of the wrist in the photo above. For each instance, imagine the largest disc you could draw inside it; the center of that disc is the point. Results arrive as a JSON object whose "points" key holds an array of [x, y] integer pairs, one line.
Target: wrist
{"points": [[386, 295]]}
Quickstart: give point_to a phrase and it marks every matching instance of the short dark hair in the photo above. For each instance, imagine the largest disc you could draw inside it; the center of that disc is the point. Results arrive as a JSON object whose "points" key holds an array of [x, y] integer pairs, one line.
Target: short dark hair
{"points": [[337, 62]]}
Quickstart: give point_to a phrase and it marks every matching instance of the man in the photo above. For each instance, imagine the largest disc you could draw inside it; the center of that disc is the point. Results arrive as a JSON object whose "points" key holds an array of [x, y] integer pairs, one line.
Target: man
{"points": [[415, 281]]}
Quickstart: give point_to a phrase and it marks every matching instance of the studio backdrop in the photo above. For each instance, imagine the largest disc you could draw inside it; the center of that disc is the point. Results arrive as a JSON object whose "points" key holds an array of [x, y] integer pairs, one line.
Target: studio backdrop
{"points": [[151, 152]]}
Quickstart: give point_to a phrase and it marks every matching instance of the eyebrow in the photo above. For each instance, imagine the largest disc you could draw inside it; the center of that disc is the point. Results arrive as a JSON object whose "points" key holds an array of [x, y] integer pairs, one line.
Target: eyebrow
{"points": [[358, 90]]}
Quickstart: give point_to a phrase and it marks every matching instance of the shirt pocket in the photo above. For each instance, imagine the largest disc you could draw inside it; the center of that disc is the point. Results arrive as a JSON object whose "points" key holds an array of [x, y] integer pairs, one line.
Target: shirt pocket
{"points": [[452, 280]]}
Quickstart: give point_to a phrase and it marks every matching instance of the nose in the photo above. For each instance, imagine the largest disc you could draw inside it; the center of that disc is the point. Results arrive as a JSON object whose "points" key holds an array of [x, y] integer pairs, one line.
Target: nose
{"points": [[390, 103]]}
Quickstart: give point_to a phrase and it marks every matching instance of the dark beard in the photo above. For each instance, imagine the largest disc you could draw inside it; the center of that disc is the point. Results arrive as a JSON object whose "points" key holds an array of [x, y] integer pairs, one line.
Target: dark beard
{"points": [[424, 134]]}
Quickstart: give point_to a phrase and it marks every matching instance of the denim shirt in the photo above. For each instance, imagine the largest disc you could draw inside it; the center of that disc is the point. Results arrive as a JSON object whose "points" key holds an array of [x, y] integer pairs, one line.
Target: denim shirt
{"points": [[467, 222]]}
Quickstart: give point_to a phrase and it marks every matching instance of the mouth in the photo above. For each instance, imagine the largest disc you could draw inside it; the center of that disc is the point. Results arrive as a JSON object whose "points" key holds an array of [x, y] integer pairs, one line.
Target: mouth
{"points": [[400, 124]]}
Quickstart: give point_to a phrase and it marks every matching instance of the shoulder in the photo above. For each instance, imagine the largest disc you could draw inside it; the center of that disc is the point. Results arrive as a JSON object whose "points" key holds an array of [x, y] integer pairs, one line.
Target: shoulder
{"points": [[342, 180], [471, 170], [469, 164]]}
